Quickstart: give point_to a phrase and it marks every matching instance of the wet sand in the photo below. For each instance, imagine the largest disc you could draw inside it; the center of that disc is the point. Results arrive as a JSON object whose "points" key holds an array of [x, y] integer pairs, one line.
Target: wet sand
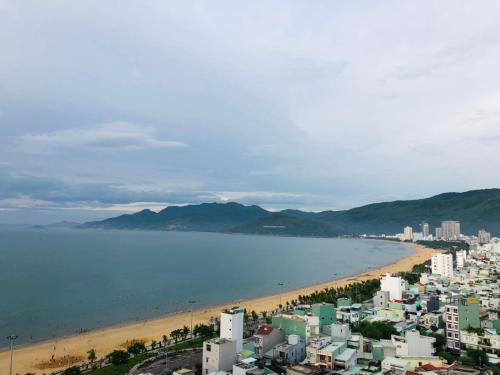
{"points": [[31, 358]]}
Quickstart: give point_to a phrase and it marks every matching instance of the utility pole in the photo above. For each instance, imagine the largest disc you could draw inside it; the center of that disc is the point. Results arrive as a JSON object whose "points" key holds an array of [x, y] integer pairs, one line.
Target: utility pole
{"points": [[191, 303], [11, 339]]}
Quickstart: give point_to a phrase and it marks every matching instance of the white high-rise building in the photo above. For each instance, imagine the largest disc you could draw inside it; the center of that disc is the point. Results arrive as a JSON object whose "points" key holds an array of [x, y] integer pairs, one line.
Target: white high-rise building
{"points": [[425, 230], [442, 264], [408, 233], [461, 258], [450, 230], [439, 233], [483, 237], [231, 326], [395, 285]]}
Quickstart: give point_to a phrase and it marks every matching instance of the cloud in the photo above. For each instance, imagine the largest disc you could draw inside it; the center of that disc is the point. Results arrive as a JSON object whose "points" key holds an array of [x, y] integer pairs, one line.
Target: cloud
{"points": [[114, 136]]}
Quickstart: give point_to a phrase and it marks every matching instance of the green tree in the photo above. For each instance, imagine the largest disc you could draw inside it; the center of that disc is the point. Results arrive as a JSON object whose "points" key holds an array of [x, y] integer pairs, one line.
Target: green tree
{"points": [[136, 348], [185, 332], [91, 355], [153, 344], [478, 357], [74, 370], [118, 357], [165, 340]]}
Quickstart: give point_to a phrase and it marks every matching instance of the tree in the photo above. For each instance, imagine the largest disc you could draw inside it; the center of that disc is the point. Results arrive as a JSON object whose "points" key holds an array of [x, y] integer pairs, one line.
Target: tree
{"points": [[118, 357], [255, 316], [75, 370], [165, 340], [91, 355], [478, 357], [176, 334], [136, 348], [185, 332], [449, 357], [203, 330], [377, 330]]}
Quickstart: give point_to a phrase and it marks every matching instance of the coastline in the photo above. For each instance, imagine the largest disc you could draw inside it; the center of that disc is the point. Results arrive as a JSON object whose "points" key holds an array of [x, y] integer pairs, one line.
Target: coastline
{"points": [[28, 358]]}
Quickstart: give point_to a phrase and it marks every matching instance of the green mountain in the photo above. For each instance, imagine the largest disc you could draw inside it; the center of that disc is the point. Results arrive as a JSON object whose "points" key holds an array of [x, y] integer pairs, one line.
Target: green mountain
{"points": [[211, 217], [475, 210]]}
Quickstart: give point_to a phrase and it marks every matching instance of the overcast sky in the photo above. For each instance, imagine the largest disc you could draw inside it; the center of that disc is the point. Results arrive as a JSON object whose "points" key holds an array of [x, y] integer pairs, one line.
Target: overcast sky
{"points": [[115, 106]]}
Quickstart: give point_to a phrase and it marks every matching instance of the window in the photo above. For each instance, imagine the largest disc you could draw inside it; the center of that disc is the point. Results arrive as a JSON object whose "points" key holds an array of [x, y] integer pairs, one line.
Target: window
{"points": [[208, 348]]}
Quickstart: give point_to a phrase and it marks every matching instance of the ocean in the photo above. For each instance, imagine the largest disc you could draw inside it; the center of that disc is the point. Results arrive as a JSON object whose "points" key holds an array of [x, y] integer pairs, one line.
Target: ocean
{"points": [[60, 282]]}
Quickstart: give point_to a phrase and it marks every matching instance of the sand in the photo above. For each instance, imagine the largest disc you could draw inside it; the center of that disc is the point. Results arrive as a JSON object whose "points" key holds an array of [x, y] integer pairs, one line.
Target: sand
{"points": [[31, 358]]}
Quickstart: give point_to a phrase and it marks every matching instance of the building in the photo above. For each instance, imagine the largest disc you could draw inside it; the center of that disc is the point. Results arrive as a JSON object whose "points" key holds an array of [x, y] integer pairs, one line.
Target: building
{"points": [[425, 230], [408, 233], [450, 230], [219, 354], [291, 352], [413, 344], [326, 312], [266, 338], [460, 316], [483, 237], [442, 264], [397, 366], [246, 366], [486, 341], [381, 298], [231, 326], [395, 285], [439, 233], [303, 326], [340, 331], [461, 256]]}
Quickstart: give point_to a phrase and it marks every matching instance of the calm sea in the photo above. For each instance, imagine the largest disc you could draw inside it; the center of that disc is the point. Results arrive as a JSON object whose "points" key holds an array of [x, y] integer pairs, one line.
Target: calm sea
{"points": [[56, 282]]}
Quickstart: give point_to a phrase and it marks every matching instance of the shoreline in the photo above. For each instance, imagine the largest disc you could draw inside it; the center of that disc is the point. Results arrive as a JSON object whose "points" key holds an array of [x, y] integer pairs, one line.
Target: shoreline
{"points": [[104, 340]]}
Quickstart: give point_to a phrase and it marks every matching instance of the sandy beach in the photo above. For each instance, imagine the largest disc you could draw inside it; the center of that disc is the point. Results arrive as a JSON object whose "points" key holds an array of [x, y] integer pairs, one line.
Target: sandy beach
{"points": [[31, 357]]}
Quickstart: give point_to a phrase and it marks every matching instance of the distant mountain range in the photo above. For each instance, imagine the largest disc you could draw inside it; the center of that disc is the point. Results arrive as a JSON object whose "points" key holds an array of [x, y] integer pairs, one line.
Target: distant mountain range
{"points": [[476, 209]]}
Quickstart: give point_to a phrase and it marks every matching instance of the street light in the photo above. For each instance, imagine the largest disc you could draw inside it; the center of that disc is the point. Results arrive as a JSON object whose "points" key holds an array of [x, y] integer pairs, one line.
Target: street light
{"points": [[11, 339], [191, 303]]}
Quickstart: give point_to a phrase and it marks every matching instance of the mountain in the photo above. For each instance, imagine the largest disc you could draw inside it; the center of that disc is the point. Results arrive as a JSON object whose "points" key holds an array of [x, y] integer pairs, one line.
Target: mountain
{"points": [[476, 209], [212, 217], [282, 223]]}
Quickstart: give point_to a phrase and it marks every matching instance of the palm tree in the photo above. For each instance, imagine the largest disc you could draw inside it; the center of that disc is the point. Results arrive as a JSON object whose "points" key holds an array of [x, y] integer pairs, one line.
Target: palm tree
{"points": [[185, 331], [92, 357], [165, 340], [153, 344]]}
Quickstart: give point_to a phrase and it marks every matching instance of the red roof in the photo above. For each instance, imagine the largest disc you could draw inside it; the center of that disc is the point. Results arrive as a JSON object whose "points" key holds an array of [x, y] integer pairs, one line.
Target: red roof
{"points": [[265, 330], [430, 367]]}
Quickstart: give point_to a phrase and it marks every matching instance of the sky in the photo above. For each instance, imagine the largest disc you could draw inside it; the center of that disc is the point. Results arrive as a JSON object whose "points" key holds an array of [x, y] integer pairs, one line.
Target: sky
{"points": [[113, 107]]}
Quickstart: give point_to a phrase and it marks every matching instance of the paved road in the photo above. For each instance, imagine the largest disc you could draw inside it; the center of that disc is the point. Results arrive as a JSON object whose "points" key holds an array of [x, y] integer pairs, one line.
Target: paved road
{"points": [[187, 359]]}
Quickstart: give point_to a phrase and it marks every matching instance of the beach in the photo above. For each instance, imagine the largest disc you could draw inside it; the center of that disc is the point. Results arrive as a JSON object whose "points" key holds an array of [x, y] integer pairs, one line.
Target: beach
{"points": [[34, 358]]}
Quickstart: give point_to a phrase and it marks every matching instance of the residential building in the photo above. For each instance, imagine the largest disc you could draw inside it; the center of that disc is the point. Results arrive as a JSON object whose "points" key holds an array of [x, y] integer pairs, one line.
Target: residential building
{"points": [[219, 354], [395, 285], [266, 338], [381, 298], [450, 230], [442, 264], [303, 326], [326, 312], [408, 233], [461, 257], [231, 326], [483, 237], [425, 230], [414, 344], [291, 352], [460, 316]]}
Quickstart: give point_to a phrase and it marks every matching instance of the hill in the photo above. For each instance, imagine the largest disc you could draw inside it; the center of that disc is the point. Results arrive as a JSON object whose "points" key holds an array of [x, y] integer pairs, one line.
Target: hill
{"points": [[476, 209]]}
